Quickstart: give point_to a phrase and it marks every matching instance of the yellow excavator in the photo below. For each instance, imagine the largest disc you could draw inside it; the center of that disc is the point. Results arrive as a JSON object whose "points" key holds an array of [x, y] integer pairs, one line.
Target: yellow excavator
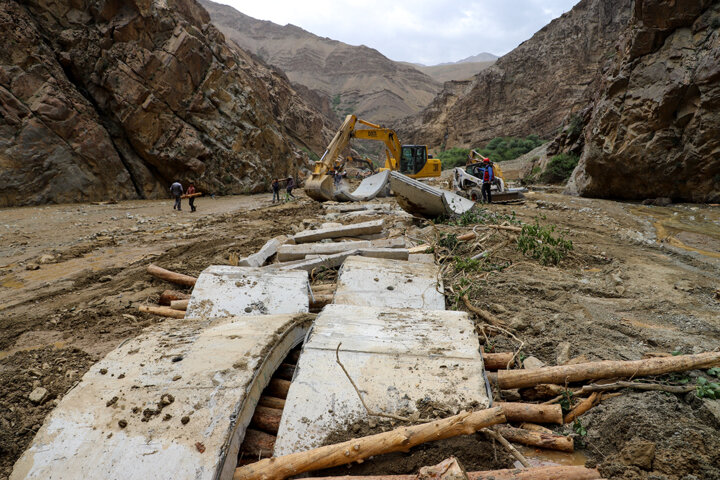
{"points": [[410, 160]]}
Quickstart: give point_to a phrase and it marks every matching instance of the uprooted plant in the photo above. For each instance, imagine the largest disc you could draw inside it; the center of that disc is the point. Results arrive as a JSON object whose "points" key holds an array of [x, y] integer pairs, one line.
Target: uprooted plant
{"points": [[543, 244]]}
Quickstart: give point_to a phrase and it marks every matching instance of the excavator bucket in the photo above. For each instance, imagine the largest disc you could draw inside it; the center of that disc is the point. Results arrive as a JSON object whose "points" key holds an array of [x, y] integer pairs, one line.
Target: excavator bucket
{"points": [[320, 187]]}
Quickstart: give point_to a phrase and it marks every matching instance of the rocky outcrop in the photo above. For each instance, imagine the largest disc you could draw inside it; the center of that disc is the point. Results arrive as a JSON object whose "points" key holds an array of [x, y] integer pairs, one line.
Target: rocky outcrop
{"points": [[358, 79], [110, 98], [654, 130], [531, 89]]}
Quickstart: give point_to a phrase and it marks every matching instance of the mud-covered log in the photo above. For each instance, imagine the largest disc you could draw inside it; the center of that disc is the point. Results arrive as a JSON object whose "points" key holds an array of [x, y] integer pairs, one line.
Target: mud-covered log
{"points": [[400, 439], [535, 473], [162, 311], [258, 444], [605, 369], [293, 357], [277, 388], [537, 439], [172, 277], [179, 304], [168, 296], [541, 392], [285, 371], [531, 412], [582, 407], [266, 419], [497, 361], [272, 402]]}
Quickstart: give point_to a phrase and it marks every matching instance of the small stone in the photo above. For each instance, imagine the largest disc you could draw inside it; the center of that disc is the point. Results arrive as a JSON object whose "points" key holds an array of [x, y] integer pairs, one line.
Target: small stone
{"points": [[38, 395], [391, 287], [562, 353], [176, 378], [166, 400], [167, 417], [184, 420], [122, 423], [111, 402], [103, 371], [105, 279], [532, 363]]}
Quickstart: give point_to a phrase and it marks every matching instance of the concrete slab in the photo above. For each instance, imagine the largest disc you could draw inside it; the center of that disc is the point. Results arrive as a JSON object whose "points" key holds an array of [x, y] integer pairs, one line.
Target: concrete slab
{"points": [[210, 371], [316, 262], [389, 283], [368, 189], [222, 291], [428, 258], [268, 250], [363, 228], [423, 200], [390, 253], [397, 358], [288, 253]]}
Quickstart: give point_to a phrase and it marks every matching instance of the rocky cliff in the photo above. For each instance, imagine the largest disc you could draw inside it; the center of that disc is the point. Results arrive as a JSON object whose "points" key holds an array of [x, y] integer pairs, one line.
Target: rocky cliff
{"points": [[118, 98], [654, 128], [360, 80], [531, 89]]}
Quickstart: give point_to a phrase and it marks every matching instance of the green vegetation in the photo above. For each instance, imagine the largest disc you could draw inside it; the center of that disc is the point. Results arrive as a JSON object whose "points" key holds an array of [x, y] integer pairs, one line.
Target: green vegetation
{"points": [[454, 157], [579, 428], [509, 148], [448, 240], [707, 389], [559, 168], [313, 156], [336, 101], [479, 216], [576, 126], [541, 243]]}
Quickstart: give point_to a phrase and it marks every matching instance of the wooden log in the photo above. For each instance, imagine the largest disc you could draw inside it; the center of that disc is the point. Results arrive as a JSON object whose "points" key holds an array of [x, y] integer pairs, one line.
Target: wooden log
{"points": [[531, 412], [582, 407], [448, 469], [272, 402], [179, 304], [320, 301], [277, 388], [657, 387], [537, 439], [535, 473], [266, 419], [534, 427], [285, 371], [605, 369], [293, 357], [497, 361], [257, 443], [169, 295], [541, 392], [400, 439], [169, 276], [162, 311]]}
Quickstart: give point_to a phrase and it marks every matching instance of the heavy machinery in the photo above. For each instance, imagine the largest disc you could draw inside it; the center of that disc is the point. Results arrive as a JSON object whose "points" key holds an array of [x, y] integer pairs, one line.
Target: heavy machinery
{"points": [[467, 181], [410, 160]]}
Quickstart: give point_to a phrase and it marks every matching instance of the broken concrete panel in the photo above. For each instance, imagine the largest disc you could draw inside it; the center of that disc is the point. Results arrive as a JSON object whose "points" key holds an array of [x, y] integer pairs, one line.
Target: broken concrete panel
{"points": [[391, 253], [398, 358], [395, 242], [371, 187], [364, 228], [296, 252], [173, 402], [428, 258], [268, 250], [222, 291], [317, 262], [389, 283], [355, 207], [423, 200]]}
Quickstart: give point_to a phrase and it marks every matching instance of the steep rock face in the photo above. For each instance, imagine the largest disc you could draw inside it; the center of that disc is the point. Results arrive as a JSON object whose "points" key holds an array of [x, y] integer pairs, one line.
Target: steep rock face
{"points": [[359, 79], [655, 128], [137, 94], [531, 89]]}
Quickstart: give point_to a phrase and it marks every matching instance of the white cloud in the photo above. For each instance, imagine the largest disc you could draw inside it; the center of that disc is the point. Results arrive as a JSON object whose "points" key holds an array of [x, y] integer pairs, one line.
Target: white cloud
{"points": [[423, 31]]}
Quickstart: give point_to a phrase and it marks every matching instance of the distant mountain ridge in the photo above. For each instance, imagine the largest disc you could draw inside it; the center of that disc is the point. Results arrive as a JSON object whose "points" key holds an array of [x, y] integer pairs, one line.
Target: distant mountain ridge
{"points": [[480, 57]]}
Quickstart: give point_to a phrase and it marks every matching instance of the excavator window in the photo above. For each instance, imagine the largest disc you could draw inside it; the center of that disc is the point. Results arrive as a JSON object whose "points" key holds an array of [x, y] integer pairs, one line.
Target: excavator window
{"points": [[413, 159]]}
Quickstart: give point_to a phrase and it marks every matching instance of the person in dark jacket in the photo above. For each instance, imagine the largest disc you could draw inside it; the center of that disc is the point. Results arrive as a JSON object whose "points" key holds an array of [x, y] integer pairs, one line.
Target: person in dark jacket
{"points": [[276, 190], [289, 188], [176, 190], [488, 177]]}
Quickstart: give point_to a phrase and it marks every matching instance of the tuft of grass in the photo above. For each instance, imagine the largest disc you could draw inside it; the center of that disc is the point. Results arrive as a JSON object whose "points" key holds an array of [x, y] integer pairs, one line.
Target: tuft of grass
{"points": [[543, 244], [448, 240], [478, 216]]}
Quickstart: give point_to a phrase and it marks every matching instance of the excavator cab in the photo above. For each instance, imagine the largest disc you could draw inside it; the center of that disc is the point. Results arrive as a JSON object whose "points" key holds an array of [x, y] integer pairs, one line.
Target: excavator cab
{"points": [[415, 163]]}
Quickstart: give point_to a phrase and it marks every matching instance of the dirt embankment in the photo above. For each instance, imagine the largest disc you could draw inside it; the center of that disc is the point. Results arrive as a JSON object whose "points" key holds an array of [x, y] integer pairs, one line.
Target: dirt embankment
{"points": [[72, 276]]}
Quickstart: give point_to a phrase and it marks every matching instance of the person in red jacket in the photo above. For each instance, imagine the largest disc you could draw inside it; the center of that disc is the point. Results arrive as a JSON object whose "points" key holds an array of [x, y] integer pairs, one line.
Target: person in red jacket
{"points": [[488, 177], [191, 191]]}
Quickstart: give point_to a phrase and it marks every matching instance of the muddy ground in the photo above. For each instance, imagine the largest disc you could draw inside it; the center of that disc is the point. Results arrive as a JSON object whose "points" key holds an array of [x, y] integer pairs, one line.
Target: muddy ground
{"points": [[72, 277]]}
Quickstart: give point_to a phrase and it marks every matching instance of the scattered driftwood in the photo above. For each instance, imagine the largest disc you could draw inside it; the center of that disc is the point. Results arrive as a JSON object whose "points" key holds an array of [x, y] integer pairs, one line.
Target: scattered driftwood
{"points": [[605, 369], [179, 304], [258, 444], [168, 296], [582, 407], [448, 469], [266, 419], [535, 473], [537, 439], [278, 388], [531, 412], [272, 402], [486, 316], [285, 371], [172, 277], [399, 439], [541, 392], [533, 427], [162, 311], [658, 387], [503, 441], [497, 361]]}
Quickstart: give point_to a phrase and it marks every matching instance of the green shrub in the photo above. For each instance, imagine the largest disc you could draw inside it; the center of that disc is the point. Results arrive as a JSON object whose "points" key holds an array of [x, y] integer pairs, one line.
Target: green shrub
{"points": [[542, 244], [576, 125], [454, 157], [559, 168], [509, 148]]}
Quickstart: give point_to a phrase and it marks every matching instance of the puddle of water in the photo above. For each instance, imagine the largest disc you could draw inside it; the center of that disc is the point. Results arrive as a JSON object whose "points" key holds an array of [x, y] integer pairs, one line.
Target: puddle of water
{"points": [[540, 457], [691, 230], [7, 353]]}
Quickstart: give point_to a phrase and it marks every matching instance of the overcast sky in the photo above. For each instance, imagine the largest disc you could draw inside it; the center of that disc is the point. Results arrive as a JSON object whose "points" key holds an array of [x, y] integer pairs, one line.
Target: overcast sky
{"points": [[422, 31]]}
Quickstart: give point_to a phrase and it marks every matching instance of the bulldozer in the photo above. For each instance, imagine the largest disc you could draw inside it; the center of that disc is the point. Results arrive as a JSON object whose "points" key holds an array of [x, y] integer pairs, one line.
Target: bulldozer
{"points": [[410, 160], [468, 182]]}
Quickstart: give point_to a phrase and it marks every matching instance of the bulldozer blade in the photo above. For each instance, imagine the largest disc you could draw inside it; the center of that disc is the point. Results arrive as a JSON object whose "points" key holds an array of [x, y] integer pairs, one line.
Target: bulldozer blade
{"points": [[320, 188], [507, 197]]}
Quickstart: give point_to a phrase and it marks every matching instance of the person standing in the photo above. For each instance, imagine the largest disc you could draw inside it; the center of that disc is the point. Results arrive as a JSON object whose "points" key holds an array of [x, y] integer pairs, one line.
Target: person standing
{"points": [[191, 201], [289, 188], [176, 190], [488, 177], [276, 190]]}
